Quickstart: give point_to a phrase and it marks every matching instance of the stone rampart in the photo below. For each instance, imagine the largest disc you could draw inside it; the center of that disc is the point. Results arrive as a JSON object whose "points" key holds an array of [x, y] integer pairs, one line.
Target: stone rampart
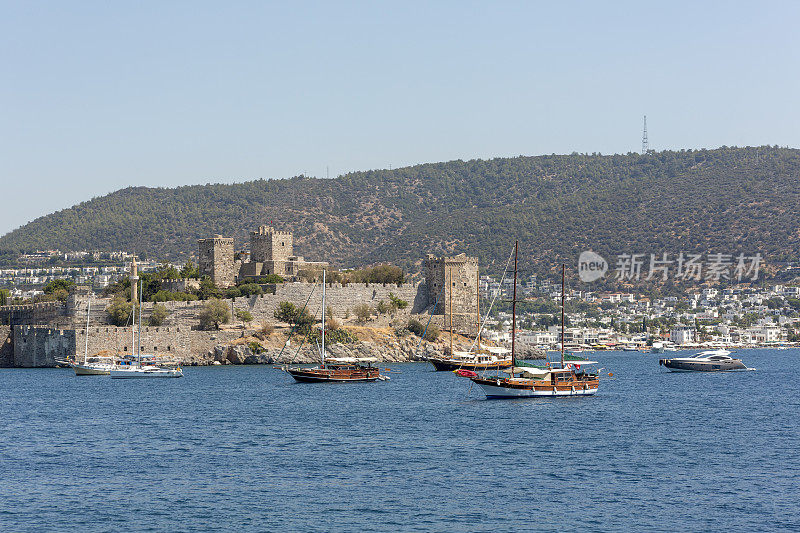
{"points": [[29, 314], [6, 347], [40, 346]]}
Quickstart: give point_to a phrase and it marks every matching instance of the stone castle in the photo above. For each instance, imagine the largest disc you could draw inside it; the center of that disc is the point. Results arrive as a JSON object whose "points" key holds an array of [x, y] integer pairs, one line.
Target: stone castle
{"points": [[38, 334], [271, 252]]}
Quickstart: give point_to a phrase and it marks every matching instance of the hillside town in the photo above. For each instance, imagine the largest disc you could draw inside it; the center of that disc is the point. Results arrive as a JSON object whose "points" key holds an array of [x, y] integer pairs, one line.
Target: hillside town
{"points": [[734, 316]]}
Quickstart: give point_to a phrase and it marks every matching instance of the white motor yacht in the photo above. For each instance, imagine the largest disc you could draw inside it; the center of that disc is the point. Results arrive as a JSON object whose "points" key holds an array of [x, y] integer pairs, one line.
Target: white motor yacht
{"points": [[707, 361]]}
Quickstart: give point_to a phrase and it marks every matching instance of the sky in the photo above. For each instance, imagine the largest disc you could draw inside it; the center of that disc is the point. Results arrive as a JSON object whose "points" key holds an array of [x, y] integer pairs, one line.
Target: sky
{"points": [[99, 96]]}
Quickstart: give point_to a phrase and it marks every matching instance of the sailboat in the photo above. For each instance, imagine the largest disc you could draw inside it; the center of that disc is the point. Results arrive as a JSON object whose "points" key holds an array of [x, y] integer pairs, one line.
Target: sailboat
{"points": [[95, 368], [482, 358], [142, 366], [331, 369], [556, 379]]}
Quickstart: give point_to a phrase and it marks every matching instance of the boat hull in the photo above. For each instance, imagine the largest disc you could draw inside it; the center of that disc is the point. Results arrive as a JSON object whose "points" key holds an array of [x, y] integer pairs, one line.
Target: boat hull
{"points": [[81, 370], [504, 389], [454, 364], [702, 366], [146, 374], [324, 375]]}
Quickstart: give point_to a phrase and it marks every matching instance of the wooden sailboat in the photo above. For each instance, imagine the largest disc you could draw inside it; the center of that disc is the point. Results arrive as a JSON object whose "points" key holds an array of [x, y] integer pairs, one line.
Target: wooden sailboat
{"points": [[482, 358], [345, 369], [556, 379]]}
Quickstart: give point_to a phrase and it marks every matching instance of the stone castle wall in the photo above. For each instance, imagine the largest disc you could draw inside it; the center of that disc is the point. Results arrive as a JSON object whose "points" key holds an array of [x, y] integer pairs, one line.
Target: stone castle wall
{"points": [[6, 347], [342, 299], [40, 346], [39, 313]]}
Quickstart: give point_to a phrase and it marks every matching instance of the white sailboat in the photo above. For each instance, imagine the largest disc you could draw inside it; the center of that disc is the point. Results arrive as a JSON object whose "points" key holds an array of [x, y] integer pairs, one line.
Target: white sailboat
{"points": [[103, 366], [136, 368]]}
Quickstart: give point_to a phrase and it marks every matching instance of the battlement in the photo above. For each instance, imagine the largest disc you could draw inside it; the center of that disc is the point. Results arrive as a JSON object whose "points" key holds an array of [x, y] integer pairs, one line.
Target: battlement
{"points": [[216, 239], [269, 230]]}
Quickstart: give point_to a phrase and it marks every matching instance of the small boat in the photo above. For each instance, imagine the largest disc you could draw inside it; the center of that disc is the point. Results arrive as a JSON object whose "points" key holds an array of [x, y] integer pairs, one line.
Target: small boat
{"points": [[707, 361], [658, 347], [142, 366], [345, 369], [553, 380], [135, 370], [101, 366], [338, 370], [556, 379], [487, 358]]}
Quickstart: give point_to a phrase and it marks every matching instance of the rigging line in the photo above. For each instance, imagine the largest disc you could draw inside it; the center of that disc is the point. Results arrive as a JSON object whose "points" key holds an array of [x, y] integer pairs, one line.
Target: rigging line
{"points": [[478, 336], [295, 327]]}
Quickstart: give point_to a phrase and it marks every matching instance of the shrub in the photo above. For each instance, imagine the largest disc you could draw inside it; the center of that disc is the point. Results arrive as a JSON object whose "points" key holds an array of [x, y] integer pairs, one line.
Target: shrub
{"points": [[266, 330], [250, 289], [432, 334], [397, 303], [169, 296], [382, 307], [363, 312], [214, 313], [255, 347], [416, 327], [119, 311], [340, 336], [299, 318], [244, 315], [270, 278], [232, 292], [158, 315]]}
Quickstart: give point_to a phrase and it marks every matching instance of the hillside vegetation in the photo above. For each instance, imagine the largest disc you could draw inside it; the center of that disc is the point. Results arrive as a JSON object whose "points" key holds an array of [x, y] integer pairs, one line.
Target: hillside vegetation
{"points": [[726, 200]]}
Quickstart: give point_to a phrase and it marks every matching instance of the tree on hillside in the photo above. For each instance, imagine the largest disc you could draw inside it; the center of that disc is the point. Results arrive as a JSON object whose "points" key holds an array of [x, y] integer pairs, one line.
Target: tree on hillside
{"points": [[158, 315], [298, 318], [119, 311], [214, 313], [189, 270]]}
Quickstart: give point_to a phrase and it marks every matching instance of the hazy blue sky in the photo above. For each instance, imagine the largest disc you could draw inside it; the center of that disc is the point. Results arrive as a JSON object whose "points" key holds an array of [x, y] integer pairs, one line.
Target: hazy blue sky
{"points": [[98, 96]]}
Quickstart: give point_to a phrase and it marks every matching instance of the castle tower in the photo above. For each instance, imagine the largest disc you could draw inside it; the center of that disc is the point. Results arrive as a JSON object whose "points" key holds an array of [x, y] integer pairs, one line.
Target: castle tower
{"points": [[452, 283], [272, 248], [216, 260]]}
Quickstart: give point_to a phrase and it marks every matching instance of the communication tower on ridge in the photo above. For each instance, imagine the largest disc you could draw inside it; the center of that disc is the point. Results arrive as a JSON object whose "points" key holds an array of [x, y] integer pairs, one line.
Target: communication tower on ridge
{"points": [[645, 147]]}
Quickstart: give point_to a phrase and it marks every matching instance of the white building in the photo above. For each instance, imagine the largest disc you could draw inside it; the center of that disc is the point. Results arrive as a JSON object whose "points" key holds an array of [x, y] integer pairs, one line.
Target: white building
{"points": [[681, 334]]}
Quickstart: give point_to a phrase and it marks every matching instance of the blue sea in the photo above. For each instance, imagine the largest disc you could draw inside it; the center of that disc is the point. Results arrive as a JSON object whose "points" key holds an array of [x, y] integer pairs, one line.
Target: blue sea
{"points": [[245, 448]]}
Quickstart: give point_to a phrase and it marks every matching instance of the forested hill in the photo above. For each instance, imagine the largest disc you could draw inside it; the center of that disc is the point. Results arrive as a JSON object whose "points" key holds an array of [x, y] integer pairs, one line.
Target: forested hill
{"points": [[727, 200]]}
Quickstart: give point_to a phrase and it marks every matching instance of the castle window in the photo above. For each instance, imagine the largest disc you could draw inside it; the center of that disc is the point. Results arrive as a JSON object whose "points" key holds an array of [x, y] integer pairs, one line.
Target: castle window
{"points": [[169, 348], [125, 349], [155, 348]]}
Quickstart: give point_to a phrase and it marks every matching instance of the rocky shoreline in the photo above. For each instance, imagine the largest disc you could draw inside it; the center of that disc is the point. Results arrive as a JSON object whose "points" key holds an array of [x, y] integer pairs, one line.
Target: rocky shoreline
{"points": [[380, 343]]}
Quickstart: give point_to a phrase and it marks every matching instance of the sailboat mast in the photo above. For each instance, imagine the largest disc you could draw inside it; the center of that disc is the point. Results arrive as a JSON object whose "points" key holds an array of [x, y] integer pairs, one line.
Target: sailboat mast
{"points": [[323, 318], [478, 299], [514, 307], [88, 310], [450, 289], [139, 335], [563, 268]]}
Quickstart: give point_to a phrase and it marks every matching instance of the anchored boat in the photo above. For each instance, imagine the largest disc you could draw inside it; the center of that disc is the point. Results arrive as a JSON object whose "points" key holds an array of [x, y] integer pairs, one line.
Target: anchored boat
{"points": [[556, 379], [142, 366], [346, 369], [707, 361]]}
